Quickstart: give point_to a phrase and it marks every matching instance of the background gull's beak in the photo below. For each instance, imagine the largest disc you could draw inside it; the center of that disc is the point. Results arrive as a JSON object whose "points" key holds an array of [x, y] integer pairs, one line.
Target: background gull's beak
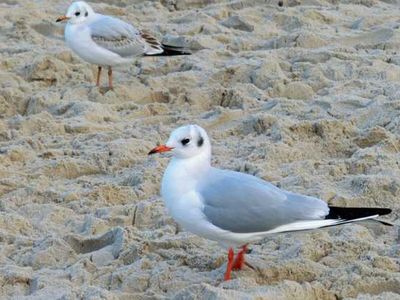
{"points": [[161, 148], [62, 18]]}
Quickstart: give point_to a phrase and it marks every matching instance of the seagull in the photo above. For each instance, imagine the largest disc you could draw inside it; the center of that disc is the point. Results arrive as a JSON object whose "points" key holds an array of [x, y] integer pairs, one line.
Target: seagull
{"points": [[235, 208], [107, 41]]}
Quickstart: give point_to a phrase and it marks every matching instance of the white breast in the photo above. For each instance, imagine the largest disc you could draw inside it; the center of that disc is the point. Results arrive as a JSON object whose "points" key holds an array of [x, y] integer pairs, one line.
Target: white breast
{"points": [[175, 184], [185, 204], [78, 38]]}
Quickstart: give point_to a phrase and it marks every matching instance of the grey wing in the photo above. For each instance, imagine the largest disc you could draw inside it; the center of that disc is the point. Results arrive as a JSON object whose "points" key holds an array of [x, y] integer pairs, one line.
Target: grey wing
{"points": [[117, 36], [244, 204]]}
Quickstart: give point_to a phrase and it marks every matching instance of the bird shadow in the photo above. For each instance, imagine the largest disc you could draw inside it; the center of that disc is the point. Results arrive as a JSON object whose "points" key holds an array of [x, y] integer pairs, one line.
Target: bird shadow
{"points": [[103, 89]]}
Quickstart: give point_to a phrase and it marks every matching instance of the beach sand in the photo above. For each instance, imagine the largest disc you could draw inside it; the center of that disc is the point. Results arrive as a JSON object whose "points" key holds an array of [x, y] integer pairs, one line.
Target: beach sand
{"points": [[305, 95]]}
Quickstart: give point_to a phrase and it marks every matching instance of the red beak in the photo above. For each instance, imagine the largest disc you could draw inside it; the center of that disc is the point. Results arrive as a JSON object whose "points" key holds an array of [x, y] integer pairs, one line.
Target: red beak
{"points": [[161, 148]]}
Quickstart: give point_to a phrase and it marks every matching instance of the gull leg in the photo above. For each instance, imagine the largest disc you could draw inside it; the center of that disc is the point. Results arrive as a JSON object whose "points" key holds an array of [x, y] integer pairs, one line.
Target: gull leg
{"points": [[110, 85], [98, 76], [239, 261], [229, 265]]}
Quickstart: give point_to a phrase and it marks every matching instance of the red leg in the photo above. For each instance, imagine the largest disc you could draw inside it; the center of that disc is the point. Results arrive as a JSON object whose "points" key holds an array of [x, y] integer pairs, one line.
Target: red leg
{"points": [[110, 84], [98, 76], [239, 261], [229, 266]]}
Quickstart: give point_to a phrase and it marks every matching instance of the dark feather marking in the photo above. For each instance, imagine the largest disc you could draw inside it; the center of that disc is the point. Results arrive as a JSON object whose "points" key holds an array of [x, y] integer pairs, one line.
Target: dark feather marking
{"points": [[349, 213], [170, 51], [150, 39], [200, 141], [167, 50]]}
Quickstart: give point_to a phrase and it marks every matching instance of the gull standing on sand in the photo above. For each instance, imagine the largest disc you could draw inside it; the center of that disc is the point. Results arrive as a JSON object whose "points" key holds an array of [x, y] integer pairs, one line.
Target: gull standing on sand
{"points": [[234, 208], [107, 41]]}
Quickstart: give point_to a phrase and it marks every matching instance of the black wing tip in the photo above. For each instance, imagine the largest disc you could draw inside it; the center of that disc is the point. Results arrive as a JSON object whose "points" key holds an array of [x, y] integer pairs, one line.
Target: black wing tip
{"points": [[348, 213], [171, 46], [173, 51], [385, 211]]}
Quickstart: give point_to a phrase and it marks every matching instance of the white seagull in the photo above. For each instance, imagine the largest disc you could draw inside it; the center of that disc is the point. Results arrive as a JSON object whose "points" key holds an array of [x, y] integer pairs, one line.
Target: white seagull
{"points": [[234, 208], [107, 41]]}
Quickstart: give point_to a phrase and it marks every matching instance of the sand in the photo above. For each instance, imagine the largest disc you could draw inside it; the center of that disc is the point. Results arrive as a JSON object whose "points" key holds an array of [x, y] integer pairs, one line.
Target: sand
{"points": [[306, 95]]}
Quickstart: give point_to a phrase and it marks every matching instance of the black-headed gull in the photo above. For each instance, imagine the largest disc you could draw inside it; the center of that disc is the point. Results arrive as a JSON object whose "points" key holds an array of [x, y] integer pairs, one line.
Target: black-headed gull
{"points": [[234, 208], [107, 41]]}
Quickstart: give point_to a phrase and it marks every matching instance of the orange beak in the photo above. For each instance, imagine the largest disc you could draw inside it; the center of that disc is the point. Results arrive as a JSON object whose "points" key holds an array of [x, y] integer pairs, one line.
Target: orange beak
{"points": [[62, 18], [161, 148]]}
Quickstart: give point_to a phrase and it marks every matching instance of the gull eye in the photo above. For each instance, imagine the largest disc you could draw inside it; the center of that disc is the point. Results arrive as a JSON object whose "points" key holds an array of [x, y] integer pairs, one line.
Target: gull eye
{"points": [[185, 141], [77, 13], [86, 14]]}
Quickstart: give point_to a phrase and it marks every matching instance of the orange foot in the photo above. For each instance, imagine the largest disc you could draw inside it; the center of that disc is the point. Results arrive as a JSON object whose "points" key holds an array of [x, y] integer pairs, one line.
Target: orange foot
{"points": [[229, 266], [240, 261]]}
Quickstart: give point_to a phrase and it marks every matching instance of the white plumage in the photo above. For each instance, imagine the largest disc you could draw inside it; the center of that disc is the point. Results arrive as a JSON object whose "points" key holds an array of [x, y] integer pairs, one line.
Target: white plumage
{"points": [[234, 208], [107, 41]]}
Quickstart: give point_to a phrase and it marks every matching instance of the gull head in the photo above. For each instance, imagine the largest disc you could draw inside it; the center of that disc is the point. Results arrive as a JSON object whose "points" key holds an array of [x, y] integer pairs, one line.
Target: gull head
{"points": [[186, 142], [78, 12]]}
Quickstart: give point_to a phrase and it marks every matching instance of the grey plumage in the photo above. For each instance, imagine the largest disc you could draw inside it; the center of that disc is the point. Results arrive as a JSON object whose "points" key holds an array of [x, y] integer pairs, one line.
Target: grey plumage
{"points": [[226, 194], [120, 37]]}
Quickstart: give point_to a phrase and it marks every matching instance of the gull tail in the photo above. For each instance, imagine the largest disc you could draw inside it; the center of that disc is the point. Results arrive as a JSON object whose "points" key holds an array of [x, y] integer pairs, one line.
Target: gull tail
{"points": [[169, 50], [337, 216]]}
